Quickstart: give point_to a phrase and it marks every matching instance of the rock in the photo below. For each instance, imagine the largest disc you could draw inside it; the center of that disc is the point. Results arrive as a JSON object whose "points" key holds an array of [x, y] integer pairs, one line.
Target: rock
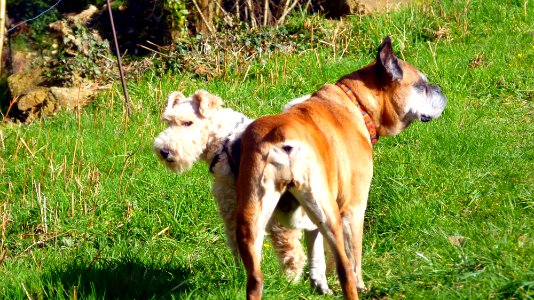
{"points": [[19, 83], [71, 98], [32, 98], [85, 16], [59, 27], [21, 60]]}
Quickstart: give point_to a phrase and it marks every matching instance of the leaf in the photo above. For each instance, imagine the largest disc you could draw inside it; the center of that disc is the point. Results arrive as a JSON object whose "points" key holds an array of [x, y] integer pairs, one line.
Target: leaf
{"points": [[457, 240]]}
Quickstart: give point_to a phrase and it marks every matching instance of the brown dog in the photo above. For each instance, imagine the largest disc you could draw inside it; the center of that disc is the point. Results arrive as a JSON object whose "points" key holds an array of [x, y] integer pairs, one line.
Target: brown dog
{"points": [[320, 151]]}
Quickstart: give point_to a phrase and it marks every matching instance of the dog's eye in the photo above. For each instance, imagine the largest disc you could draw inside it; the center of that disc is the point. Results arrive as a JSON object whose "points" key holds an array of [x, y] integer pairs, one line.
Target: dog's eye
{"points": [[187, 123], [421, 86]]}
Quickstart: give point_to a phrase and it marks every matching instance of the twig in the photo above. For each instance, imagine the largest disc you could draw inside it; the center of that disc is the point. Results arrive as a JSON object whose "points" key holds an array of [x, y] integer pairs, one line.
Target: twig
{"points": [[26, 146], [4, 223], [152, 50], [286, 11], [118, 54], [9, 108], [237, 10], [26, 291], [39, 242], [227, 16], [252, 15], [283, 10], [161, 232], [42, 205], [212, 31], [433, 52], [153, 44], [265, 12]]}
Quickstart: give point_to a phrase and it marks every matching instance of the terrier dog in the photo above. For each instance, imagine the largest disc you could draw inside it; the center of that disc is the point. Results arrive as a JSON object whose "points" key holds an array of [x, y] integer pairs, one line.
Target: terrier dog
{"points": [[320, 151], [199, 128]]}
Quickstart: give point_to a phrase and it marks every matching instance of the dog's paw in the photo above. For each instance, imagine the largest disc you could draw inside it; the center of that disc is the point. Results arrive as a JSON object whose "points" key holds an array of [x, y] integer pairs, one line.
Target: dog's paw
{"points": [[320, 286], [362, 288], [322, 290]]}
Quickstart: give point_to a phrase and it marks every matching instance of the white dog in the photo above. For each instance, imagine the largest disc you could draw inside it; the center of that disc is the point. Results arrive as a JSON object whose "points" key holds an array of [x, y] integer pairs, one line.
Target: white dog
{"points": [[200, 129]]}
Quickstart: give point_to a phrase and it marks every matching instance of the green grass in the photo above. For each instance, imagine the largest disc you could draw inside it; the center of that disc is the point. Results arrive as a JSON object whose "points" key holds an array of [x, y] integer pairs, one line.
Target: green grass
{"points": [[87, 211]]}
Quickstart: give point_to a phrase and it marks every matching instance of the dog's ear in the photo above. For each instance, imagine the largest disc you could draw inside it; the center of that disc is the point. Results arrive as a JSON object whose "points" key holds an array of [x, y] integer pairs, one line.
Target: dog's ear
{"points": [[174, 99], [207, 103], [387, 63]]}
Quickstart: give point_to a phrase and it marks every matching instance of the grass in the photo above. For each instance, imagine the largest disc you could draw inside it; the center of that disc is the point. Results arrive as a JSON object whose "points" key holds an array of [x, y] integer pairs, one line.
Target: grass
{"points": [[86, 211]]}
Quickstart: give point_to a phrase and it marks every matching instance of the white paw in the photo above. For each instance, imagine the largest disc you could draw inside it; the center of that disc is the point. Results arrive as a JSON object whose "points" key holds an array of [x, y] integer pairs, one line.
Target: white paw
{"points": [[319, 285]]}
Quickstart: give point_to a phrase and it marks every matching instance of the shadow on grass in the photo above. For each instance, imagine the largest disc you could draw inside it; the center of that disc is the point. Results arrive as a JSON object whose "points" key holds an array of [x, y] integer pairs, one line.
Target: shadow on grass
{"points": [[126, 278]]}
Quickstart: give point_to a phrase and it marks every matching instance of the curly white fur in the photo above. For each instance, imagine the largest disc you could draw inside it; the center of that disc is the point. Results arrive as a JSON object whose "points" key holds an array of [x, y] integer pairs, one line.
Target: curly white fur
{"points": [[198, 128]]}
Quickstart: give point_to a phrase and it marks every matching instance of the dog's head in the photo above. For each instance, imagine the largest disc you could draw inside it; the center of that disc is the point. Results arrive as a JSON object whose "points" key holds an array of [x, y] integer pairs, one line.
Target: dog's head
{"points": [[399, 93], [186, 137]]}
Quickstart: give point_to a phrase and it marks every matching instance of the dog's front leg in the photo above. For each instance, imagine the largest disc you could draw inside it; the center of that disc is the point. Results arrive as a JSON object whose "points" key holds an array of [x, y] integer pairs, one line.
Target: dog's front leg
{"points": [[288, 249], [224, 192], [353, 220], [328, 219], [316, 257], [357, 239]]}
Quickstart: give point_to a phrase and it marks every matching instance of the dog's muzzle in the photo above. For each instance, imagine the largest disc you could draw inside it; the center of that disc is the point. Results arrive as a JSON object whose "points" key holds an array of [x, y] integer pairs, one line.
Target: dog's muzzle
{"points": [[165, 154], [438, 103]]}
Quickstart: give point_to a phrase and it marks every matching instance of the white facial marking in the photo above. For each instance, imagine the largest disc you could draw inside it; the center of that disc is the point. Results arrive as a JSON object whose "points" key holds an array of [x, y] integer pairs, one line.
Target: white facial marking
{"points": [[424, 103]]}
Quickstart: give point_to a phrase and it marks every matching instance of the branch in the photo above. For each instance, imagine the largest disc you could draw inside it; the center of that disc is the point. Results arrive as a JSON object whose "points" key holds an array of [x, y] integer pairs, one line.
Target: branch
{"points": [[265, 12], [212, 31], [286, 11], [227, 18], [252, 14]]}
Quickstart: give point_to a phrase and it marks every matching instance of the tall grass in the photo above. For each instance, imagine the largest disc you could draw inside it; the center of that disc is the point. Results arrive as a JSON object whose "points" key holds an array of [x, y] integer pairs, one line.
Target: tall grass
{"points": [[86, 211]]}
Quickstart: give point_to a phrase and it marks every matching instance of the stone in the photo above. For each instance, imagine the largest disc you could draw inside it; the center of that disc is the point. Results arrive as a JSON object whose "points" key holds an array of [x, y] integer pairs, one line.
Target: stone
{"points": [[22, 82], [32, 98], [71, 98]]}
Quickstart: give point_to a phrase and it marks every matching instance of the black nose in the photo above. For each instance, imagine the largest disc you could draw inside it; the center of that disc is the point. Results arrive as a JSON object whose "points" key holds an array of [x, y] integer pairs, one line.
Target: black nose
{"points": [[425, 118], [436, 88], [164, 153]]}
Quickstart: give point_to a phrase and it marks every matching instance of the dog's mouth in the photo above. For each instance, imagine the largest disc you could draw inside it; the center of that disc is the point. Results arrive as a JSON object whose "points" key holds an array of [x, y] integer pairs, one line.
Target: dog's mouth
{"points": [[425, 118]]}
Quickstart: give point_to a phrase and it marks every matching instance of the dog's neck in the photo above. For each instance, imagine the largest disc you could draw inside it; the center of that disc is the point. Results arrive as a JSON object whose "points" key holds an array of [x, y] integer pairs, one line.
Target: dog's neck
{"points": [[226, 125], [369, 123], [384, 126]]}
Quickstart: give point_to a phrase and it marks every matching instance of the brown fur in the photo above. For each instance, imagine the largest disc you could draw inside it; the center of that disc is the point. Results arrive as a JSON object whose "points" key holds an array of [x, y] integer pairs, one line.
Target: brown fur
{"points": [[320, 151]]}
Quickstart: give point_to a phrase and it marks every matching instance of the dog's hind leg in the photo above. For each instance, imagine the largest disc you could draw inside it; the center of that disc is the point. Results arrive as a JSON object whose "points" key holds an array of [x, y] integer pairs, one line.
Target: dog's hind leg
{"points": [[257, 196], [330, 226]]}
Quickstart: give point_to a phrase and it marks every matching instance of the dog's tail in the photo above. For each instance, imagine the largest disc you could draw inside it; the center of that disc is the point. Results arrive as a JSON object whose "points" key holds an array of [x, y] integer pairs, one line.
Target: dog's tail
{"points": [[281, 158]]}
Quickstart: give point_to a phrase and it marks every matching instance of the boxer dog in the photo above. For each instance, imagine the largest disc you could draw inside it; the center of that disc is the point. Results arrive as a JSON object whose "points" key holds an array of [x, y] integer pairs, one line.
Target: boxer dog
{"points": [[320, 151]]}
